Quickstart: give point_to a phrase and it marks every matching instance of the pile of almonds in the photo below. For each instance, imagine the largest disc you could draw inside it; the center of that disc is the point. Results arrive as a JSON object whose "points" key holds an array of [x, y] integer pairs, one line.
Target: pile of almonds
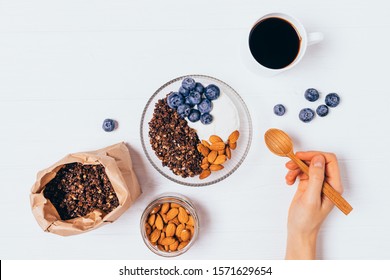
{"points": [[170, 227], [216, 152]]}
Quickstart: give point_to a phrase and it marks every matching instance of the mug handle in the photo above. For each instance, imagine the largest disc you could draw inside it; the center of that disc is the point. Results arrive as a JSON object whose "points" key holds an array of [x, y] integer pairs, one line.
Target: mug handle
{"points": [[314, 38]]}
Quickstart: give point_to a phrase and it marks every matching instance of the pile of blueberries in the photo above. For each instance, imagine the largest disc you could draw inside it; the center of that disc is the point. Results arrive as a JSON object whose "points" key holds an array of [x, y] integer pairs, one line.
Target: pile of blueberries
{"points": [[307, 114], [193, 94]]}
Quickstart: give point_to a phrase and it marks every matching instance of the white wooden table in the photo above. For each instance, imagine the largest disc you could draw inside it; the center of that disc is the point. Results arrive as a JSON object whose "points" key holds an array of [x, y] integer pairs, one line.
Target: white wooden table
{"points": [[67, 65]]}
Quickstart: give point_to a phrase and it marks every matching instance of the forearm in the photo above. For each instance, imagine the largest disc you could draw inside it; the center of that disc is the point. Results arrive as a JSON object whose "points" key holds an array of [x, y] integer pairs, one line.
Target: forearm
{"points": [[300, 247]]}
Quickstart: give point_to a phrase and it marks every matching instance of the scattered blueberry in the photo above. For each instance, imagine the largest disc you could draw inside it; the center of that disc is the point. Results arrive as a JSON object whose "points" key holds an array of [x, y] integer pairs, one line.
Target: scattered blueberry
{"points": [[332, 99], [184, 92], [188, 83], [306, 115], [206, 118], [205, 106], [195, 97], [212, 92], [279, 110], [194, 115], [322, 110], [183, 110], [199, 87], [312, 94], [108, 125], [175, 99]]}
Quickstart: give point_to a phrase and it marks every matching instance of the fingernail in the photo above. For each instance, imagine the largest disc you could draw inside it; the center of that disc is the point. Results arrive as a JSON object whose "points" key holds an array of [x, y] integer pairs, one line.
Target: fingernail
{"points": [[318, 162]]}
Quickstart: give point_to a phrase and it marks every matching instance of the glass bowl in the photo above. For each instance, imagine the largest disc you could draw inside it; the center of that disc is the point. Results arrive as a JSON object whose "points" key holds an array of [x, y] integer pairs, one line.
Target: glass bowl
{"points": [[243, 121], [160, 208]]}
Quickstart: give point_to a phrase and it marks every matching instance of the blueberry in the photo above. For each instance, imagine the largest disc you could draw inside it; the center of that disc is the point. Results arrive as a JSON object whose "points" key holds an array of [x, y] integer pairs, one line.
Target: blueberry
{"points": [[205, 106], [194, 115], [183, 110], [322, 110], [212, 92], [332, 100], [175, 99], [279, 110], [195, 97], [188, 83], [188, 102], [199, 87], [184, 92], [312, 94], [206, 118], [108, 125], [306, 115]]}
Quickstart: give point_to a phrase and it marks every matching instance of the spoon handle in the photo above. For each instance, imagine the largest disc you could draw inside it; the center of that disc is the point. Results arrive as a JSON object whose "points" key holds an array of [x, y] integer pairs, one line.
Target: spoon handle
{"points": [[327, 189]]}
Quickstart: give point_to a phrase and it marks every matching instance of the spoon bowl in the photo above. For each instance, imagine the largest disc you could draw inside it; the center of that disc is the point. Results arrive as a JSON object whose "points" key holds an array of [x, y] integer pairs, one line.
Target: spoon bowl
{"points": [[278, 142]]}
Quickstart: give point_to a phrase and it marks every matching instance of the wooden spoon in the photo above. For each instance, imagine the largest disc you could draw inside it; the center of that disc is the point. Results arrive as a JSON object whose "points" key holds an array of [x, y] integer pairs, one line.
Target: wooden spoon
{"points": [[281, 144]]}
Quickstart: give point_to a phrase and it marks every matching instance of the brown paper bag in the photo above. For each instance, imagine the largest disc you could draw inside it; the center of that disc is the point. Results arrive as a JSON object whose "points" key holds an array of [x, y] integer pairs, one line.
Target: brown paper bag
{"points": [[118, 166]]}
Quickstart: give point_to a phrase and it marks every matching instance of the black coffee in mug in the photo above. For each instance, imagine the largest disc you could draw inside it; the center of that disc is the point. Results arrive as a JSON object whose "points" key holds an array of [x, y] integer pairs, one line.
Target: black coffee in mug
{"points": [[274, 43]]}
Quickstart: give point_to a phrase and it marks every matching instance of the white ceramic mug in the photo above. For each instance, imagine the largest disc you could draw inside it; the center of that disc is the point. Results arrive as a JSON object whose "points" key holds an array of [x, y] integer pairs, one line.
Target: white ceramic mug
{"points": [[306, 39]]}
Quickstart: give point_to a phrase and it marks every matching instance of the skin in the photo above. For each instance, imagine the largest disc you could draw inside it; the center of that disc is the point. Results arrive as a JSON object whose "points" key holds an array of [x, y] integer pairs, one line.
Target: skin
{"points": [[309, 208]]}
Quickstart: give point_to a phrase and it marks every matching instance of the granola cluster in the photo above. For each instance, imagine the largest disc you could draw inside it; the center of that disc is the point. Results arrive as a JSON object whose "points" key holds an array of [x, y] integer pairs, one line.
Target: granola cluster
{"points": [[174, 142], [79, 189]]}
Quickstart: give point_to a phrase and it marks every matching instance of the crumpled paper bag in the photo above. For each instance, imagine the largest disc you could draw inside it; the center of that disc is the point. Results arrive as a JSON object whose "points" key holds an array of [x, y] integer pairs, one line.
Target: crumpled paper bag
{"points": [[119, 169]]}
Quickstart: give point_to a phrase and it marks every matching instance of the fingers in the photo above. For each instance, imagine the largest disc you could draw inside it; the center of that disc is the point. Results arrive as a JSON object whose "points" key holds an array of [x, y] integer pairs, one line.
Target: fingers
{"points": [[332, 170], [292, 175], [316, 179]]}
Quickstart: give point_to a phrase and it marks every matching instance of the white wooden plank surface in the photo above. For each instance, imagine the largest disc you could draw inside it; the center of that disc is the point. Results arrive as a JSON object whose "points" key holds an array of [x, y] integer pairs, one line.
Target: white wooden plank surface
{"points": [[67, 65]]}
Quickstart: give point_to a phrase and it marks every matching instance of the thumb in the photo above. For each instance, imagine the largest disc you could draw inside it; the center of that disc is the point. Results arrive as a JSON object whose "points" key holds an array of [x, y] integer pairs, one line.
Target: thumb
{"points": [[316, 178]]}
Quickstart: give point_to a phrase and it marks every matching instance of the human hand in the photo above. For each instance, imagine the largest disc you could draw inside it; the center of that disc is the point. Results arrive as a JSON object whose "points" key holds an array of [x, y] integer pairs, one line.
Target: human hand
{"points": [[309, 207]]}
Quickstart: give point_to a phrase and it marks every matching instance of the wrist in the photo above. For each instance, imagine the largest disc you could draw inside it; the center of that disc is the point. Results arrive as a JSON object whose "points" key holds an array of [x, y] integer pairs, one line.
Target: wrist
{"points": [[301, 246]]}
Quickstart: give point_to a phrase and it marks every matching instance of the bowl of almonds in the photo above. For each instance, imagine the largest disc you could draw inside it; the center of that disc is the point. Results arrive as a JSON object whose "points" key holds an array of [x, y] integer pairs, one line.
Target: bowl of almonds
{"points": [[169, 225]]}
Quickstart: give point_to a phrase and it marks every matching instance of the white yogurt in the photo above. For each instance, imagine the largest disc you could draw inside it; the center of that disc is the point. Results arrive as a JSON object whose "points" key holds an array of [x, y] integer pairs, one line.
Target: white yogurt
{"points": [[225, 120]]}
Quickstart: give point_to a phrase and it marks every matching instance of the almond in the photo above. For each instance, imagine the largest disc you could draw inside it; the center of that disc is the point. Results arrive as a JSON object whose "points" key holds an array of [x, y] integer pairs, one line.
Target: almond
{"points": [[185, 235], [148, 229], [160, 247], [168, 241], [216, 167], [233, 137], [206, 144], [221, 152], [172, 213], [171, 230], [162, 237], [215, 138], [166, 248], [203, 150], [179, 229], [191, 221], [232, 146], [217, 146], [159, 222], [175, 205], [175, 221], [152, 219], [182, 245], [155, 235], [219, 160], [228, 152], [205, 166], [191, 229], [164, 208], [164, 217], [173, 246], [156, 209], [205, 173], [205, 160], [183, 216], [212, 156]]}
